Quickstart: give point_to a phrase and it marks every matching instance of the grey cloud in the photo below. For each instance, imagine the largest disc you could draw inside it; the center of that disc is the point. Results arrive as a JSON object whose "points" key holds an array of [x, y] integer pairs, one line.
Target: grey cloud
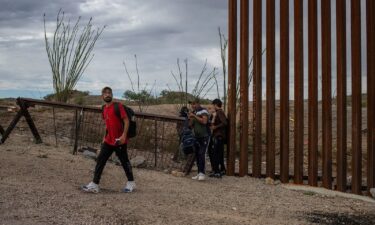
{"points": [[167, 30], [18, 13]]}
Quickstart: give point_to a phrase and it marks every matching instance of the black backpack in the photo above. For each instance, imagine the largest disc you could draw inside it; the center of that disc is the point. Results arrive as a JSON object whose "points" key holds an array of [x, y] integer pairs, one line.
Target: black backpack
{"points": [[188, 140], [132, 132]]}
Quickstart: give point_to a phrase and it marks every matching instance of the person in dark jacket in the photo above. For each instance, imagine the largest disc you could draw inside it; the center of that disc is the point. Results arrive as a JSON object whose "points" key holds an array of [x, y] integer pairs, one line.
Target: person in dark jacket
{"points": [[218, 128]]}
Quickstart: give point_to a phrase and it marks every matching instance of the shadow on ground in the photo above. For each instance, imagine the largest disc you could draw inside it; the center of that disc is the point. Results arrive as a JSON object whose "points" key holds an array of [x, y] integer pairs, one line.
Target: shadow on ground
{"points": [[339, 218]]}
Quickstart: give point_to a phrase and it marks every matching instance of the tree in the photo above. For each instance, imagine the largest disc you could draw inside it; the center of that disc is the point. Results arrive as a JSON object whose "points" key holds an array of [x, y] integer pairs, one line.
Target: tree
{"points": [[141, 97], [69, 53]]}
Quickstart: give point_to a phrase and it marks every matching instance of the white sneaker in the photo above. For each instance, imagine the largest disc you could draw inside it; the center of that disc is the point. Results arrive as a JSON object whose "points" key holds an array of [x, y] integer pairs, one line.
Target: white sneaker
{"points": [[91, 187], [200, 177], [130, 187]]}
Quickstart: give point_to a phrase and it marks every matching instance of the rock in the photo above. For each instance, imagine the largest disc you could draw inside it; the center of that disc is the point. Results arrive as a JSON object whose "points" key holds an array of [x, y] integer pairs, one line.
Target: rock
{"points": [[270, 181], [86, 148], [89, 154], [277, 182], [177, 173], [12, 109], [234, 208], [138, 161], [372, 192], [43, 155]]}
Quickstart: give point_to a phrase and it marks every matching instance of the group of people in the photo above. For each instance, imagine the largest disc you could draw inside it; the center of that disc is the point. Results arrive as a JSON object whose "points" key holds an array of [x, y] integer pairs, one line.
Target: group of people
{"points": [[208, 127]]}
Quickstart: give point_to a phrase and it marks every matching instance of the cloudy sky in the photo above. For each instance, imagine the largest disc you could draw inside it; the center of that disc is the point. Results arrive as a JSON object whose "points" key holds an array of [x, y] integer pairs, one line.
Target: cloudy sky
{"points": [[157, 31]]}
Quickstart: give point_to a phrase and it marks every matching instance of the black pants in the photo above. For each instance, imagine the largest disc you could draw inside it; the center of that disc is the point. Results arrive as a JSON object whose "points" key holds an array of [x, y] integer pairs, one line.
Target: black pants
{"points": [[218, 154], [106, 152], [200, 152], [211, 153]]}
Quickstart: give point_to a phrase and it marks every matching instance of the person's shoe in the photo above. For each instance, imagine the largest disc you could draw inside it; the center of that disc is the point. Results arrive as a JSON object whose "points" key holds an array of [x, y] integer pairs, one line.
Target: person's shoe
{"points": [[223, 172], [130, 187], [91, 187], [199, 176], [215, 175]]}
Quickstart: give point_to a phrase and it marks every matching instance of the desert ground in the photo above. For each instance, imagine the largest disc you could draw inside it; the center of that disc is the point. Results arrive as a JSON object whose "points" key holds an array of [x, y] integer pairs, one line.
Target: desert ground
{"points": [[40, 184]]}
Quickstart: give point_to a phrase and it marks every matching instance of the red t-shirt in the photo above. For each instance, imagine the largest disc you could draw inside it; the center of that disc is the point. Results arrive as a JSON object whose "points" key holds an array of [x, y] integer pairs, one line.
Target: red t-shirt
{"points": [[113, 123]]}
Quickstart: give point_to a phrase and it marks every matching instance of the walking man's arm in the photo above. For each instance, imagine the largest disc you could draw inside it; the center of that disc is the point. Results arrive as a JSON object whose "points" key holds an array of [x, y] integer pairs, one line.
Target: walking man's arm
{"points": [[126, 128]]}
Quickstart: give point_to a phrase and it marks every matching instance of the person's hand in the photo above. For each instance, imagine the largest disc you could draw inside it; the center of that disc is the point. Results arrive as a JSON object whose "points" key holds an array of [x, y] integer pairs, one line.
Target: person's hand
{"points": [[122, 139], [212, 127], [191, 115]]}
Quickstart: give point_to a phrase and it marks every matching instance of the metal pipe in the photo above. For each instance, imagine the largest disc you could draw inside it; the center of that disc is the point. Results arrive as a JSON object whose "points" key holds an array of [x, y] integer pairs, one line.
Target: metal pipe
{"points": [[327, 93], [244, 88], [298, 92], [232, 74], [284, 93]]}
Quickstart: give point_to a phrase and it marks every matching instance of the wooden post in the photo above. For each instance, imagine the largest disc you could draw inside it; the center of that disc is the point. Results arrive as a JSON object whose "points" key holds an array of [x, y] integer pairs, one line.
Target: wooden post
{"points": [[54, 125], [11, 126], [156, 141], [29, 120], [78, 121], [22, 112]]}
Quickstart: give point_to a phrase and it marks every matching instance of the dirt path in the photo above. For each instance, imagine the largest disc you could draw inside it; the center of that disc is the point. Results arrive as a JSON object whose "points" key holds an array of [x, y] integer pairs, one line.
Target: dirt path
{"points": [[39, 184]]}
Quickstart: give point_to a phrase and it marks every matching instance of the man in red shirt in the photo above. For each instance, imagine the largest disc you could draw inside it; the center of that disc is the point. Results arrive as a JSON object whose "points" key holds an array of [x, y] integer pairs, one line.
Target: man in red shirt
{"points": [[115, 140]]}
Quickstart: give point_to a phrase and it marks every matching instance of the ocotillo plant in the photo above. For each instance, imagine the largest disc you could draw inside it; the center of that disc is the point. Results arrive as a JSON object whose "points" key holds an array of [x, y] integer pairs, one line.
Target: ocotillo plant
{"points": [[182, 88], [223, 54], [69, 53], [206, 81], [142, 97]]}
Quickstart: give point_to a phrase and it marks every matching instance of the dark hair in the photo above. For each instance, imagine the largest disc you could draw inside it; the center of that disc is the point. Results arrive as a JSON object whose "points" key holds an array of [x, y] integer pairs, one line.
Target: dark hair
{"points": [[106, 89], [217, 102], [184, 111]]}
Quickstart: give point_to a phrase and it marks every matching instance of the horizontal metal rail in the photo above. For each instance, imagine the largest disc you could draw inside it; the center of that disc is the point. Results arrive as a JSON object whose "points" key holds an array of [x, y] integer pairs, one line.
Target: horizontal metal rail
{"points": [[32, 102]]}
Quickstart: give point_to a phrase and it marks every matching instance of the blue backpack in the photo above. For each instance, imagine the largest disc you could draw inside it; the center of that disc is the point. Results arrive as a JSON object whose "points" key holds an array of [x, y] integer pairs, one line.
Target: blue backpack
{"points": [[188, 139]]}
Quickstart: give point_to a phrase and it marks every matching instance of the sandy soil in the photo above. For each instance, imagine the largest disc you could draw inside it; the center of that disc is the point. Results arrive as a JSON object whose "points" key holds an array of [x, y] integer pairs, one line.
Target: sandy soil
{"points": [[39, 184]]}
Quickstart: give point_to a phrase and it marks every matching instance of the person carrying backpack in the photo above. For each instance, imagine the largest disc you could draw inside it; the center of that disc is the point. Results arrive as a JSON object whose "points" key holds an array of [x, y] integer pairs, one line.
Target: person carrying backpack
{"points": [[198, 121], [115, 140], [218, 128]]}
